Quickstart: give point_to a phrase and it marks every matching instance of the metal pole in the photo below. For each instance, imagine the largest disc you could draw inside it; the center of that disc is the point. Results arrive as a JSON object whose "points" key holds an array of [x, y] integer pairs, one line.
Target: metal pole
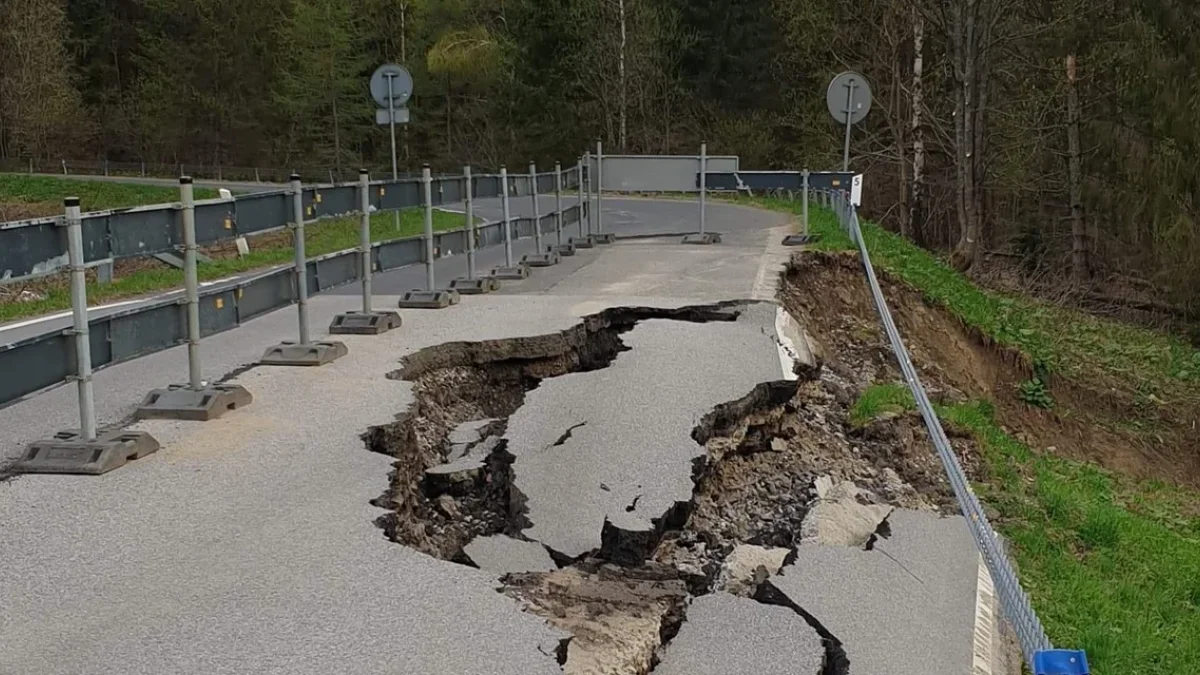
{"points": [[558, 211], [470, 223], [804, 212], [599, 187], [427, 185], [582, 204], [586, 190], [849, 116], [83, 351], [508, 255], [364, 236], [703, 181], [191, 283], [392, 129], [301, 271], [537, 216]]}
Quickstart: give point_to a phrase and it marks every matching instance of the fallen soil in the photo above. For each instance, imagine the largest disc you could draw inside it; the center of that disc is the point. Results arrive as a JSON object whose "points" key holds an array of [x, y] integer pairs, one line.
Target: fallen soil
{"points": [[957, 362], [767, 455]]}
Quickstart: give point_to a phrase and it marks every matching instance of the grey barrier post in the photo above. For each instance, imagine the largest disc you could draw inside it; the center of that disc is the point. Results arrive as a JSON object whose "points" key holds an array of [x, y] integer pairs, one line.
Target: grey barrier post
{"points": [[472, 284], [305, 352], [541, 257], [804, 209], [509, 270], [367, 321], [703, 182], [601, 236], [470, 199], [431, 297], [83, 347], [194, 401], [427, 195], [586, 189], [84, 450], [562, 248], [584, 240], [703, 237]]}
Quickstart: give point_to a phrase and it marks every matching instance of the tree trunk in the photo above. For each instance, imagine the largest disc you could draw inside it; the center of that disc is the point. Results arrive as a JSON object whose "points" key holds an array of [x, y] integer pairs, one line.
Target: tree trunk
{"points": [[624, 94], [916, 205], [1079, 244]]}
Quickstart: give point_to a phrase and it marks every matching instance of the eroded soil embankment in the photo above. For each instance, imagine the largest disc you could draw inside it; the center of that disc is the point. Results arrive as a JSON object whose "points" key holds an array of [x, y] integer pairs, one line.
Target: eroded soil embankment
{"points": [[957, 362], [767, 456]]}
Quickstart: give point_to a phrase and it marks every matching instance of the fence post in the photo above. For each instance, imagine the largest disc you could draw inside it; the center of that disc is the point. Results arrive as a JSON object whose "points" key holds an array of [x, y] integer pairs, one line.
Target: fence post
{"points": [[85, 450], [585, 188], [599, 188], [193, 401], [427, 193], [703, 182], [470, 199], [804, 209], [306, 352], [79, 313], [542, 257], [64, 166], [367, 321], [509, 270], [558, 207]]}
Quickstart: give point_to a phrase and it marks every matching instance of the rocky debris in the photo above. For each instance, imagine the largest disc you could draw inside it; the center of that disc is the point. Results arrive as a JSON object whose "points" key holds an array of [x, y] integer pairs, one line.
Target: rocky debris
{"points": [[843, 515], [748, 566], [617, 616], [505, 555], [725, 634]]}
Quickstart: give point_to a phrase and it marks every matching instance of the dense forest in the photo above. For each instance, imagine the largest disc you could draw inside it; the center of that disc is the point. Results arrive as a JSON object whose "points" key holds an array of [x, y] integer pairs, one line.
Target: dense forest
{"points": [[1056, 136]]}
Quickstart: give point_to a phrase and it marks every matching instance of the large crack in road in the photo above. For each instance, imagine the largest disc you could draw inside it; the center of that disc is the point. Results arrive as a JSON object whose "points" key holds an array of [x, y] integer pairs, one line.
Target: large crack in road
{"points": [[627, 564]]}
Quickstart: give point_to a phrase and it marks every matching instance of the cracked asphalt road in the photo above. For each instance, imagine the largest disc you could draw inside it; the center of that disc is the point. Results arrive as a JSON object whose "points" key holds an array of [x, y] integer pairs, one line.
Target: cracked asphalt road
{"points": [[247, 544]]}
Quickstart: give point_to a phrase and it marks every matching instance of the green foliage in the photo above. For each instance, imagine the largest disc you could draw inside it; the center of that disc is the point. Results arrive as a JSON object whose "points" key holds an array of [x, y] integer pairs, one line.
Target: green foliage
{"points": [[1036, 393], [1111, 564], [881, 399], [93, 195]]}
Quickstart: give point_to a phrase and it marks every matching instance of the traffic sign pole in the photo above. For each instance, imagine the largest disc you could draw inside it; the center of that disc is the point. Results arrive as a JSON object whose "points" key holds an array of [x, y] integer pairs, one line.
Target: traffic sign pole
{"points": [[391, 80], [849, 122]]}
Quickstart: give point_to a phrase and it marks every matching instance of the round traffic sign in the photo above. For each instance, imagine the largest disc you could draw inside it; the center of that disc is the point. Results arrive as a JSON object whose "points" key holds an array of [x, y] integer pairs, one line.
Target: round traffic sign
{"points": [[849, 92], [401, 85]]}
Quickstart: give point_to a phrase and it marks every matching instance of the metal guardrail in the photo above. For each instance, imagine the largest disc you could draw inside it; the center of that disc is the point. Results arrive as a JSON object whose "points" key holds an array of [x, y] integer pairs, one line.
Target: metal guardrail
{"points": [[35, 247], [43, 361], [1039, 654], [776, 181]]}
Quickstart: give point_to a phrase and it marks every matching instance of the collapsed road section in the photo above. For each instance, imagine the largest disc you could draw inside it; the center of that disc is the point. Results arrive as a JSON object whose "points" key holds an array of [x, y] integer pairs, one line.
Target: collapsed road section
{"points": [[649, 483]]}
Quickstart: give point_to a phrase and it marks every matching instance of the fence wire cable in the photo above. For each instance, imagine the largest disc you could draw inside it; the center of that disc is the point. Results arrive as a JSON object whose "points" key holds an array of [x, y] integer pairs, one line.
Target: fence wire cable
{"points": [[1013, 598]]}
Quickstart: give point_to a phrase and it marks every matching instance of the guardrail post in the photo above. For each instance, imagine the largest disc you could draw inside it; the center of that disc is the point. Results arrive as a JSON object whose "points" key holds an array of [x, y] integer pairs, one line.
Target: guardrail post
{"points": [[703, 236], [83, 348], [367, 321], [509, 270], [472, 284], [804, 208], [305, 352], [83, 450], [601, 236], [470, 200], [562, 248], [194, 401], [586, 189], [541, 256], [431, 297]]}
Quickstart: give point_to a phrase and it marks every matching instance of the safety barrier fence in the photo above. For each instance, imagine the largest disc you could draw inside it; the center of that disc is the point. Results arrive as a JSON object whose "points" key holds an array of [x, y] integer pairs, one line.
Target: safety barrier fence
{"points": [[35, 363], [1036, 648]]}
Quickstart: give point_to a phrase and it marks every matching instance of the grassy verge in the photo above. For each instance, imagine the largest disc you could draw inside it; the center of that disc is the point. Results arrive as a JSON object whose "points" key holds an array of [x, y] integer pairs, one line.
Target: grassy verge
{"points": [[1156, 369], [1112, 565], [326, 236], [44, 194]]}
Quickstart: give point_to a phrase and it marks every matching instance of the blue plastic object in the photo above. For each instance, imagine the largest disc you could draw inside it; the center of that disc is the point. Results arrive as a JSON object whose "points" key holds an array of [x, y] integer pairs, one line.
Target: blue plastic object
{"points": [[1060, 662]]}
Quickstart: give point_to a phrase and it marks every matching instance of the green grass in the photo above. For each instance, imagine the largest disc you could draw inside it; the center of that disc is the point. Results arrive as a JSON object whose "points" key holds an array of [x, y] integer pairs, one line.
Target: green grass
{"points": [[326, 236], [93, 195], [1112, 565], [1157, 368]]}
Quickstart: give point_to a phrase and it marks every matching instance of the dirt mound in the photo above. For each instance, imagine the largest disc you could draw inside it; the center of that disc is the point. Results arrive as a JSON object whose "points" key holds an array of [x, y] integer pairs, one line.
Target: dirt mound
{"points": [[957, 362]]}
